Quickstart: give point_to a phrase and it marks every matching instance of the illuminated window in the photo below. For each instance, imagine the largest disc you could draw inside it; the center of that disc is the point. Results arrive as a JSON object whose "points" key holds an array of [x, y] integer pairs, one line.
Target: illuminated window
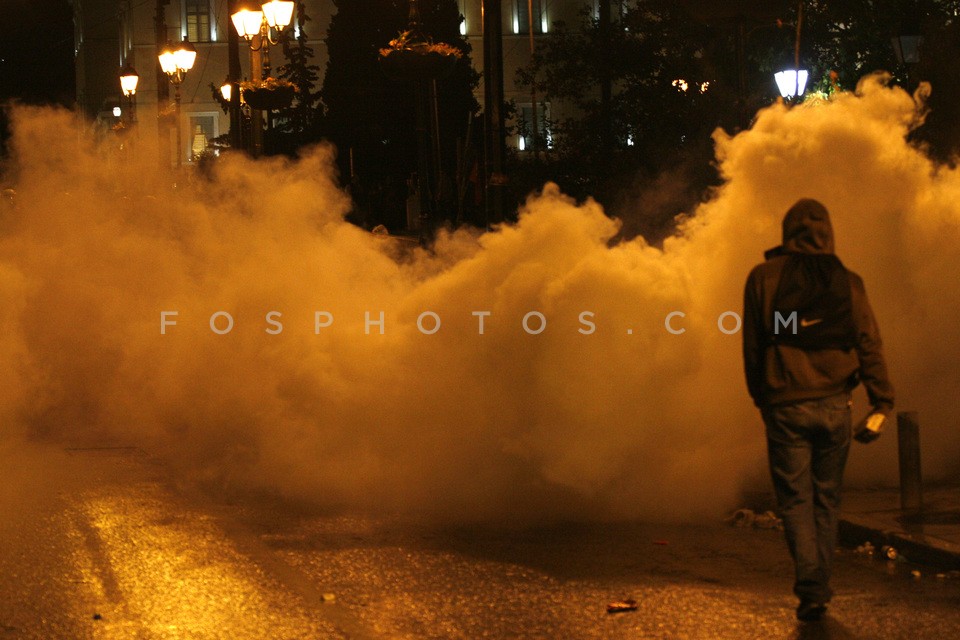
{"points": [[525, 139], [521, 16], [203, 127], [619, 9], [197, 20]]}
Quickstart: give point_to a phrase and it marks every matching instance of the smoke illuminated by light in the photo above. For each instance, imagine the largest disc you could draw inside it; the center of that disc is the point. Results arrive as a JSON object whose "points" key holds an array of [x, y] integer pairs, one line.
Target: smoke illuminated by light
{"points": [[630, 420]]}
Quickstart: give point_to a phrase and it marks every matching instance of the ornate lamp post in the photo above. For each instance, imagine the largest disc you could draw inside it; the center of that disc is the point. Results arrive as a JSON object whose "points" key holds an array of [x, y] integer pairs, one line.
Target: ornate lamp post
{"points": [[128, 84], [256, 25], [176, 63]]}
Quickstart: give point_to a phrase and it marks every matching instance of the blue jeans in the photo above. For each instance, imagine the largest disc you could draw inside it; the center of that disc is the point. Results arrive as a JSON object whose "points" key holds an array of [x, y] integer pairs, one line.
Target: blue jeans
{"points": [[807, 444]]}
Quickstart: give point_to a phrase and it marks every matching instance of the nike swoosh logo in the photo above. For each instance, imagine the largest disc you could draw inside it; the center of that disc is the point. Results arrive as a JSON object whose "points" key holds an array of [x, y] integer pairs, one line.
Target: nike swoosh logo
{"points": [[809, 323]]}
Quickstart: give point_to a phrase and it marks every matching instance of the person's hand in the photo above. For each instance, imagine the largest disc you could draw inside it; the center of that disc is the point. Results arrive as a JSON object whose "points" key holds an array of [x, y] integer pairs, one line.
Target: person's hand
{"points": [[870, 428]]}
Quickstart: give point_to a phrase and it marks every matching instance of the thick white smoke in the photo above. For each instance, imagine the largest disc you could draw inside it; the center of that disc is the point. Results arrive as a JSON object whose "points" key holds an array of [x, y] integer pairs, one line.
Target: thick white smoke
{"points": [[627, 421]]}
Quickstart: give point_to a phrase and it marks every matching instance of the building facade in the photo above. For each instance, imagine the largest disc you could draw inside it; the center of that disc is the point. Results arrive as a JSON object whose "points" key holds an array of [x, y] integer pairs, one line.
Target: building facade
{"points": [[110, 34]]}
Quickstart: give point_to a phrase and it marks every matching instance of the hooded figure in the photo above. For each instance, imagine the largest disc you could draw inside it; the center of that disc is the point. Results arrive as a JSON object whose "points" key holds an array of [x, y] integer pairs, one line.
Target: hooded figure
{"points": [[778, 373], [809, 338]]}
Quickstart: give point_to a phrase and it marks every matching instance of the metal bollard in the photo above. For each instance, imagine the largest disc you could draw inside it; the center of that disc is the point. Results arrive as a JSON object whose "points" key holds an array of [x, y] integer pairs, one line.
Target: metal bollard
{"points": [[908, 439]]}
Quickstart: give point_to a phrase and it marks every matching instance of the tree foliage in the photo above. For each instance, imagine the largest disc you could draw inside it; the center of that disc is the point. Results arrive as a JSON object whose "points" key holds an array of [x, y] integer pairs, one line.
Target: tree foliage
{"points": [[303, 120], [656, 128], [664, 102], [650, 53], [857, 37], [374, 116]]}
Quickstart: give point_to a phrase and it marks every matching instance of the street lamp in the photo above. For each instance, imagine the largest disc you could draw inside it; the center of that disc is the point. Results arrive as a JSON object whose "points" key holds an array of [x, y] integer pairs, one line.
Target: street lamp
{"points": [[907, 48], [251, 22], [254, 25], [226, 90], [128, 84], [176, 63], [907, 44], [792, 82]]}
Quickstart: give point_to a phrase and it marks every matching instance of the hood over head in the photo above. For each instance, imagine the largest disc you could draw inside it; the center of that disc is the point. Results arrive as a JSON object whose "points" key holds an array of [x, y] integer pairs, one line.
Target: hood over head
{"points": [[807, 228]]}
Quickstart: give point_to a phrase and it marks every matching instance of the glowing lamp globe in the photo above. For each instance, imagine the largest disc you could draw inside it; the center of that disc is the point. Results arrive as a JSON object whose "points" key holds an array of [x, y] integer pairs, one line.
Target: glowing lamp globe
{"points": [[278, 13], [247, 20], [167, 60], [791, 82], [128, 80], [185, 55]]}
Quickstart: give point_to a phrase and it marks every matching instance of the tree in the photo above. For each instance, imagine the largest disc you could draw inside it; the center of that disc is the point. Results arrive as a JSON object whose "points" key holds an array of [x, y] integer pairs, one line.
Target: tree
{"points": [[371, 118], [302, 122], [663, 103], [854, 38]]}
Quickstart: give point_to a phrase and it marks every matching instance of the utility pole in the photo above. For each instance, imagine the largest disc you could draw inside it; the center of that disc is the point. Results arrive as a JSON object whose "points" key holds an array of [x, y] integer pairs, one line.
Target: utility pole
{"points": [[494, 145]]}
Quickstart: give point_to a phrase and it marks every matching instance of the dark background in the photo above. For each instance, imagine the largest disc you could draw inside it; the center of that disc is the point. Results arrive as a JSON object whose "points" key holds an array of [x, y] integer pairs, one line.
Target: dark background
{"points": [[36, 54]]}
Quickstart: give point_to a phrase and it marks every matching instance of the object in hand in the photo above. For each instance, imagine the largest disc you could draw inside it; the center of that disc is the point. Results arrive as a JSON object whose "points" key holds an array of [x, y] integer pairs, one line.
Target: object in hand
{"points": [[870, 428]]}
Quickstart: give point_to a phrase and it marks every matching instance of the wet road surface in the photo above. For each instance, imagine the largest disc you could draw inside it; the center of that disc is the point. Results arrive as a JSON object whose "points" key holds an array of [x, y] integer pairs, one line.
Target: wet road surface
{"points": [[107, 547]]}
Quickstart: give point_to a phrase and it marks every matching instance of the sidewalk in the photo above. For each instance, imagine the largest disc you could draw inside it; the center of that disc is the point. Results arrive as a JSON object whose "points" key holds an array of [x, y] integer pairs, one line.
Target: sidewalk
{"points": [[933, 537]]}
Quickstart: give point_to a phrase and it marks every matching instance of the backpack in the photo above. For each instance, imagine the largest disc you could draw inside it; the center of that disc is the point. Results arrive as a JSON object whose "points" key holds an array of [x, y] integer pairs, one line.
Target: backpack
{"points": [[815, 304]]}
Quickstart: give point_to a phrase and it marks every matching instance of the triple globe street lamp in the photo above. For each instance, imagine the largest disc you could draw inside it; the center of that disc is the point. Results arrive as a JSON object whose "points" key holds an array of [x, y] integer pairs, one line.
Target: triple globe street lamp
{"points": [[251, 22], [256, 22]]}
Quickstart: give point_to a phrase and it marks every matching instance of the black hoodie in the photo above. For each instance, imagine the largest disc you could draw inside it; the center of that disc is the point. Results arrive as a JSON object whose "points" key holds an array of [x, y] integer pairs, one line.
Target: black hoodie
{"points": [[778, 373]]}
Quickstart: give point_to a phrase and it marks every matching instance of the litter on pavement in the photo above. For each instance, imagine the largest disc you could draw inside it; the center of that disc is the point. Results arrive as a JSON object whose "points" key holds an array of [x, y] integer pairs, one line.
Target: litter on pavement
{"points": [[622, 605], [745, 518]]}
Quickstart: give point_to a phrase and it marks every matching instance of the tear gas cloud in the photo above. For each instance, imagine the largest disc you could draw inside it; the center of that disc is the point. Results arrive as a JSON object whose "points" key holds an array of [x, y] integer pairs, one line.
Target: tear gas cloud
{"points": [[627, 421]]}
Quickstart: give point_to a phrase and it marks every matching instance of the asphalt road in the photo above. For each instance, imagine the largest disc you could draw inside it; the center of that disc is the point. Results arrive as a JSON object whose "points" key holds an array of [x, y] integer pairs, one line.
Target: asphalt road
{"points": [[105, 546]]}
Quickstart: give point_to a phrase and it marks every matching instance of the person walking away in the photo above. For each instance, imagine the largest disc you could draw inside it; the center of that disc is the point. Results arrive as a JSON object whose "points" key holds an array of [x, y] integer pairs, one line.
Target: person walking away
{"points": [[809, 338]]}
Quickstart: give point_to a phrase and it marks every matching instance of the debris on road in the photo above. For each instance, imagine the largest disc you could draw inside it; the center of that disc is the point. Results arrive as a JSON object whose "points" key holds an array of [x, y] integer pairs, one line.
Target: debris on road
{"points": [[745, 518], [742, 518], [661, 543], [866, 547], [768, 520], [621, 606], [328, 597], [888, 552]]}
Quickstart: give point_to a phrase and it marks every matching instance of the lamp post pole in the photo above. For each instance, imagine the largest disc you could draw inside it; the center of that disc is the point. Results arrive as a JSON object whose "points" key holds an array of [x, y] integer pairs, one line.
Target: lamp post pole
{"points": [[791, 82], [176, 99], [176, 63], [254, 23], [796, 49], [233, 77], [129, 78], [163, 89], [256, 115]]}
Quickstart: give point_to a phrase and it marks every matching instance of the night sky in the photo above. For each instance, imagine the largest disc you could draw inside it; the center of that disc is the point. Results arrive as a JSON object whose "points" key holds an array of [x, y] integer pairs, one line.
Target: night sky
{"points": [[36, 56], [36, 52]]}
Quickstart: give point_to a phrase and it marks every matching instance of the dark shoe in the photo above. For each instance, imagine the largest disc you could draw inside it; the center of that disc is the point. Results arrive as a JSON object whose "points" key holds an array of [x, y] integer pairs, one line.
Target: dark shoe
{"points": [[811, 610]]}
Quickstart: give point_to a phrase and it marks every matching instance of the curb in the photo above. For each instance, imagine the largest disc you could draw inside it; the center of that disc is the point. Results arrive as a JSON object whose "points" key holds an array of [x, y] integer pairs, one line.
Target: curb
{"points": [[917, 548]]}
